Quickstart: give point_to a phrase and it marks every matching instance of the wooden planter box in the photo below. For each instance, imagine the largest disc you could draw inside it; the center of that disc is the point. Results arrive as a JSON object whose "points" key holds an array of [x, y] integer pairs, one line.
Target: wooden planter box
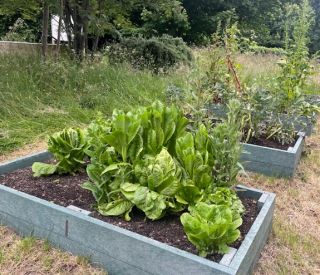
{"points": [[118, 250], [273, 162], [301, 124]]}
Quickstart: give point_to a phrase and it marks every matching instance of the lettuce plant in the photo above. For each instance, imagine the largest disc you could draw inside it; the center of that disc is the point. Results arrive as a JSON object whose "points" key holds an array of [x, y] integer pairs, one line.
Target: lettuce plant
{"points": [[197, 171], [68, 148], [211, 227], [228, 197], [148, 159], [129, 148], [162, 126]]}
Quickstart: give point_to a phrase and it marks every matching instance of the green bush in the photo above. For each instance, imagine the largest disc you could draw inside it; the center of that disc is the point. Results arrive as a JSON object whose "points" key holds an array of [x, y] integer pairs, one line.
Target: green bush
{"points": [[157, 53]]}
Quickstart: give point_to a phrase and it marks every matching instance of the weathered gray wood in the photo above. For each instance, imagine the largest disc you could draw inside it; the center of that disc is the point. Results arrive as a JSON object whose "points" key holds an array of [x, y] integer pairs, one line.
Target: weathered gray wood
{"points": [[250, 249], [301, 124], [273, 162], [227, 258], [23, 162], [263, 154], [118, 250]]}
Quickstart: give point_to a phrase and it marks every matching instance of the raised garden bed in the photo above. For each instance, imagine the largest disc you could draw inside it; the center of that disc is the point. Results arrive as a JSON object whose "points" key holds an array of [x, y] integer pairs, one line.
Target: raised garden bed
{"points": [[118, 250], [269, 158], [302, 124], [271, 161]]}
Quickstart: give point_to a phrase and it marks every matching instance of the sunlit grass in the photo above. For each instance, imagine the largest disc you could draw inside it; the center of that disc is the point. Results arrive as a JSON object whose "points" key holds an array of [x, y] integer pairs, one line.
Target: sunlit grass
{"points": [[38, 99]]}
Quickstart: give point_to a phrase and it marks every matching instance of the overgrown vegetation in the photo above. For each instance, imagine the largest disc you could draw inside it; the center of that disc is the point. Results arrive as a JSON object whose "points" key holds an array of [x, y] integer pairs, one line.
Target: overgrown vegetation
{"points": [[38, 99], [271, 112]]}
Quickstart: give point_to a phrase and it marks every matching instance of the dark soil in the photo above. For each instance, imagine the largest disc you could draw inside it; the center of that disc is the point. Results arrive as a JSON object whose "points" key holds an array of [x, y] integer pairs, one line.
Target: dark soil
{"points": [[66, 190], [263, 141]]}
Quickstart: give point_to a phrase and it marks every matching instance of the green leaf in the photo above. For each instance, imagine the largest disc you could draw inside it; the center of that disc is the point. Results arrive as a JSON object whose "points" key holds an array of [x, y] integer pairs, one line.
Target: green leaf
{"points": [[150, 202], [97, 192], [112, 167], [115, 208], [43, 169], [68, 148], [135, 148], [189, 194]]}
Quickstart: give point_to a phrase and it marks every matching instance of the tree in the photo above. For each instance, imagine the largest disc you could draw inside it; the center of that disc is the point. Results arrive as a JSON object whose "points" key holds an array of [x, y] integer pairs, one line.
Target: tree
{"points": [[315, 32], [45, 27]]}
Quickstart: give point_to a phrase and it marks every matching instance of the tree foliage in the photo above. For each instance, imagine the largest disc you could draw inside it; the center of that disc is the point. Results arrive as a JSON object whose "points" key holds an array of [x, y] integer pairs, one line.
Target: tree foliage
{"points": [[194, 21]]}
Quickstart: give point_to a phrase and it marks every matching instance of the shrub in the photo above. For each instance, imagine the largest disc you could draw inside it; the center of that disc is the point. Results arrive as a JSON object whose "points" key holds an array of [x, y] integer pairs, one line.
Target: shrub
{"points": [[157, 53], [20, 31]]}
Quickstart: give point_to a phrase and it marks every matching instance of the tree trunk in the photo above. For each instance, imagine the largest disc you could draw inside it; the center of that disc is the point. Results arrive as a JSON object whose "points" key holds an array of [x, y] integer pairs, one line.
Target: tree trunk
{"points": [[45, 26], [68, 23], [97, 38], [59, 28], [85, 23]]}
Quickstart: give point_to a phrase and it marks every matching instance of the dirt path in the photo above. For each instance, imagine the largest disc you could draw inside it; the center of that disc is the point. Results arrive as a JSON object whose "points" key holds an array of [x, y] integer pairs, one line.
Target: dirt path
{"points": [[25, 150]]}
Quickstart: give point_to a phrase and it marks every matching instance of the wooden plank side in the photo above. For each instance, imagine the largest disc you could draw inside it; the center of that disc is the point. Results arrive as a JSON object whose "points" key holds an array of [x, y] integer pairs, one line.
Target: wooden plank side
{"points": [[249, 252], [34, 216], [23, 162]]}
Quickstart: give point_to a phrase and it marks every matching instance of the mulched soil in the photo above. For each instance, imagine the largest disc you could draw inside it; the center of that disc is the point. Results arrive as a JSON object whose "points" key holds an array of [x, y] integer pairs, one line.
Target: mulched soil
{"points": [[263, 141], [66, 190]]}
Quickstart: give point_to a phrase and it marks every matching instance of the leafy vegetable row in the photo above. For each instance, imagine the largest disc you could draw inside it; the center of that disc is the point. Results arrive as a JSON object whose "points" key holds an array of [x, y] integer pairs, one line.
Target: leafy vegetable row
{"points": [[154, 159]]}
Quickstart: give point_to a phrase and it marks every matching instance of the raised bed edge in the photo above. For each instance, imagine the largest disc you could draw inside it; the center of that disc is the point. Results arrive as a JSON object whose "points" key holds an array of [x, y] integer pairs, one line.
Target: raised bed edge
{"points": [[242, 262], [303, 123], [22, 162], [273, 162]]}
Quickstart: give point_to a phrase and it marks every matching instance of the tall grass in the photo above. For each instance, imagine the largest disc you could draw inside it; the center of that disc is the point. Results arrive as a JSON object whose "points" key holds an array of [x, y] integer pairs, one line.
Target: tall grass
{"points": [[259, 70], [38, 99]]}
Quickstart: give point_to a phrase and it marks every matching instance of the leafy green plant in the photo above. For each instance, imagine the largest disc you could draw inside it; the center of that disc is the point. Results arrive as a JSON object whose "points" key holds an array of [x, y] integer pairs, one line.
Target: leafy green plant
{"points": [[146, 158], [228, 197], [225, 147], [129, 148], [196, 160], [211, 227], [296, 66], [68, 148], [162, 126], [159, 179], [170, 166]]}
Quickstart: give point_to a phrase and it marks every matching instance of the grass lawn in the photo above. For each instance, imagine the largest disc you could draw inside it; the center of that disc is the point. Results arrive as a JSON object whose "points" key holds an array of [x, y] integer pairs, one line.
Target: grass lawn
{"points": [[37, 99]]}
